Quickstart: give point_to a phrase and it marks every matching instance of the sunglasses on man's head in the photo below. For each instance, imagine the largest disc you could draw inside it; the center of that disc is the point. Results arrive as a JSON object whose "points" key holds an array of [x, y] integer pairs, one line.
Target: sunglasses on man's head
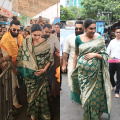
{"points": [[78, 29], [18, 30]]}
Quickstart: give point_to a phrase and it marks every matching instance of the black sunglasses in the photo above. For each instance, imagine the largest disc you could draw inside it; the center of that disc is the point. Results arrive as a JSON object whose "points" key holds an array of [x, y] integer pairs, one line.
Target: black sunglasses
{"points": [[78, 29], [18, 30]]}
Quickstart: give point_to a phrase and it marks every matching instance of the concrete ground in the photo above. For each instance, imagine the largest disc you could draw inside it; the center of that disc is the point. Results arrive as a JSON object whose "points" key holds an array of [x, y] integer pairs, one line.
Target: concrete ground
{"points": [[70, 110]]}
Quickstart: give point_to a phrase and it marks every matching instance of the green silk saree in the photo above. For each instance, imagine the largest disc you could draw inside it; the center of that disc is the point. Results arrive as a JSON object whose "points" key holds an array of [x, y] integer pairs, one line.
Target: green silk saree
{"points": [[30, 59], [91, 82]]}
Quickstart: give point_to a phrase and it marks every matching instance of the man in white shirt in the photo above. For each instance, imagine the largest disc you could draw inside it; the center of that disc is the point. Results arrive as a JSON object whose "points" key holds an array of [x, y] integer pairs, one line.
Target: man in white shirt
{"points": [[69, 47], [113, 51]]}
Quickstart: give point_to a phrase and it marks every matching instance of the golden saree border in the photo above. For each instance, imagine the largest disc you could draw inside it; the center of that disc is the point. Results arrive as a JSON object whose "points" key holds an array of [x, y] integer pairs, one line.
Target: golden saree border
{"points": [[96, 46], [26, 51]]}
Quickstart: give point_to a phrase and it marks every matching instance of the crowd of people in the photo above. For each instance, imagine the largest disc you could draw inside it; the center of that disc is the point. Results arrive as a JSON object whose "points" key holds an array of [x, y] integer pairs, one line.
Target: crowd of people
{"points": [[34, 53], [88, 72]]}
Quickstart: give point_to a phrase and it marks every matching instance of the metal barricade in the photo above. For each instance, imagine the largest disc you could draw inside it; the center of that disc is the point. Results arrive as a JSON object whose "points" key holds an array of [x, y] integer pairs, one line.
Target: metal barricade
{"points": [[6, 101]]}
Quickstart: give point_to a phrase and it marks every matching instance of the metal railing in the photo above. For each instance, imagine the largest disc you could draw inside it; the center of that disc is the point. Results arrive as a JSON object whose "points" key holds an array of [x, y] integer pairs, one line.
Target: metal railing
{"points": [[6, 102]]}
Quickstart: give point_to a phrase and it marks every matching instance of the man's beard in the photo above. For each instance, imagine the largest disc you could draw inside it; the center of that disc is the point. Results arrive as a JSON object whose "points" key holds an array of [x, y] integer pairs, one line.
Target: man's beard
{"points": [[45, 36], [78, 33], [13, 34]]}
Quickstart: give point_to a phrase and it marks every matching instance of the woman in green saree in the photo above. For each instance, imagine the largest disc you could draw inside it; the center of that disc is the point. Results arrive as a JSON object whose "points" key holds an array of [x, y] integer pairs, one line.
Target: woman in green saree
{"points": [[90, 77], [33, 61]]}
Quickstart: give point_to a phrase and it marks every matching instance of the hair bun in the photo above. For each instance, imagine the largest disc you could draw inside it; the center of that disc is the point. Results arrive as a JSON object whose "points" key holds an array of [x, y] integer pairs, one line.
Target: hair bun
{"points": [[14, 18]]}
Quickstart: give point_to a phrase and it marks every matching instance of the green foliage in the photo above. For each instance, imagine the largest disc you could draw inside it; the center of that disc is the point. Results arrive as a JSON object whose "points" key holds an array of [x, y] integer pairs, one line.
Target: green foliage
{"points": [[70, 13], [66, 14], [91, 8], [75, 11]]}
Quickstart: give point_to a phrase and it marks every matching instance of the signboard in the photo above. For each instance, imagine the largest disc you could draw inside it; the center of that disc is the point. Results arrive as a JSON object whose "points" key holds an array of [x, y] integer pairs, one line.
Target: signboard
{"points": [[70, 24], [4, 12]]}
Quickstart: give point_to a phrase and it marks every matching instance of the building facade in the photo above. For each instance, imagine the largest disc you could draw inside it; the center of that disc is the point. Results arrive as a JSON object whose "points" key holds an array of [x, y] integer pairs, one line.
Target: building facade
{"points": [[70, 3]]}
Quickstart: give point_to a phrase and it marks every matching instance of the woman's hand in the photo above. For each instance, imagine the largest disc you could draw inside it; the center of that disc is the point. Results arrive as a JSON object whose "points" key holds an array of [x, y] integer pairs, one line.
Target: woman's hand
{"points": [[89, 56], [39, 72]]}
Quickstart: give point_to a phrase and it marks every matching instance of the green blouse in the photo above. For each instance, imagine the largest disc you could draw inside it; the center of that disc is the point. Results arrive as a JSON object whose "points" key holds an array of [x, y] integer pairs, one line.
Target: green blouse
{"points": [[78, 42]]}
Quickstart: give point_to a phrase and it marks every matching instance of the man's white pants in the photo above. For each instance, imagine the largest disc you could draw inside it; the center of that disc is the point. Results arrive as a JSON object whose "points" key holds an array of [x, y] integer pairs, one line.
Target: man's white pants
{"points": [[14, 85]]}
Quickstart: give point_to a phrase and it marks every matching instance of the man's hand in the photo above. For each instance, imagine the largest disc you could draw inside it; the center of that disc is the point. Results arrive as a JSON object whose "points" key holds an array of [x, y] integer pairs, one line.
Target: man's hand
{"points": [[4, 65], [64, 68], [61, 60], [8, 58], [119, 61], [57, 53], [15, 70]]}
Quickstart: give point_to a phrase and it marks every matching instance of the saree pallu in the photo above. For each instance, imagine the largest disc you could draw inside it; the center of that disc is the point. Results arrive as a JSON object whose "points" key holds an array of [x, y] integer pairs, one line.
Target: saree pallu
{"points": [[30, 59], [91, 82]]}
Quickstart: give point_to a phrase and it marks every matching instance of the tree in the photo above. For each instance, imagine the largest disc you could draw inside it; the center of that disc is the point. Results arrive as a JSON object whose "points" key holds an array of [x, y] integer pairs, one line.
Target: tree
{"points": [[91, 8], [75, 11], [66, 13]]}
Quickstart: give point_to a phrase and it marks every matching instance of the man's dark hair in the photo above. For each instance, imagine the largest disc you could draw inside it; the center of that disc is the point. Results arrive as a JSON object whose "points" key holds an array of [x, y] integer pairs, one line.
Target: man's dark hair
{"points": [[79, 18], [47, 25], [14, 21], [53, 31], [4, 27], [57, 24], [118, 27], [40, 16], [28, 32], [79, 22]]}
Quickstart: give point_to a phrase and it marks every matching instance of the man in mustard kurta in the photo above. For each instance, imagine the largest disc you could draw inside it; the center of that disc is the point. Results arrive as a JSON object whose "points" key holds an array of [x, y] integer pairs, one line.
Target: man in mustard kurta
{"points": [[10, 43]]}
